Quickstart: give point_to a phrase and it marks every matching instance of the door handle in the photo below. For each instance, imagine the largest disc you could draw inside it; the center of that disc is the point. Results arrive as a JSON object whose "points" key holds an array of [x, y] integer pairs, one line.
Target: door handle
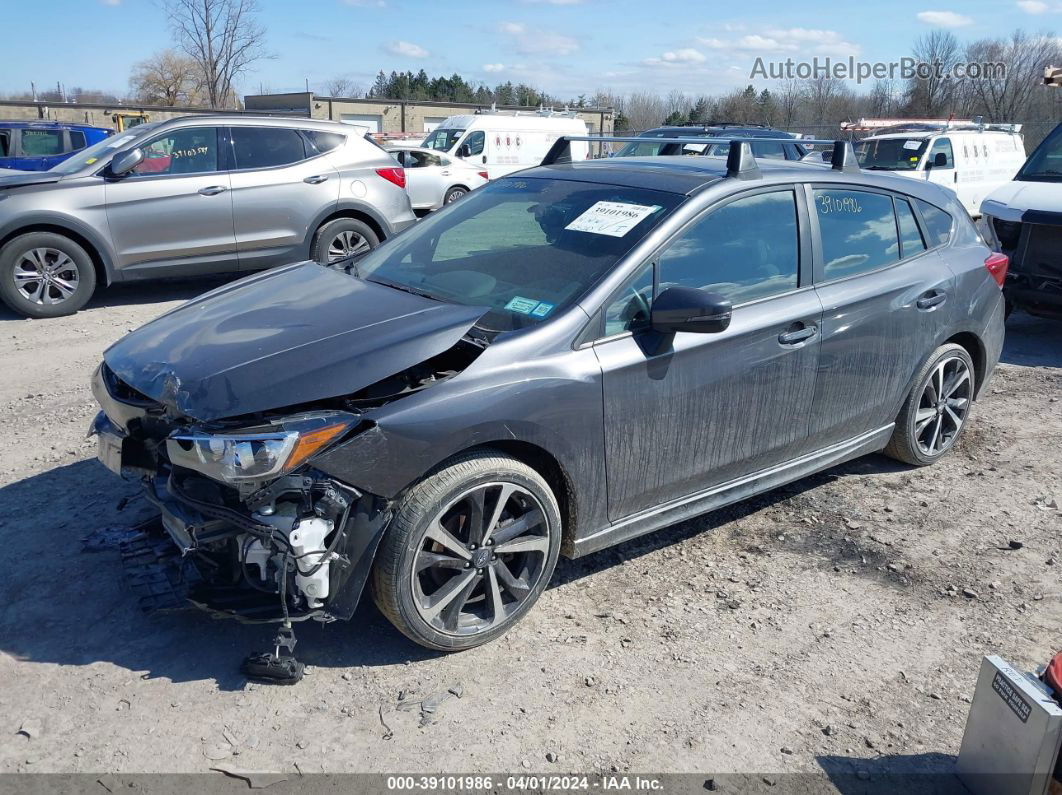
{"points": [[797, 335], [317, 179], [213, 190], [445, 173], [930, 300]]}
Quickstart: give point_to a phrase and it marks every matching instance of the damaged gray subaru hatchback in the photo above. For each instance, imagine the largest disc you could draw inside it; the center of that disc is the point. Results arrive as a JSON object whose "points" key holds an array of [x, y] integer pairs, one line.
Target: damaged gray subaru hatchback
{"points": [[565, 359]]}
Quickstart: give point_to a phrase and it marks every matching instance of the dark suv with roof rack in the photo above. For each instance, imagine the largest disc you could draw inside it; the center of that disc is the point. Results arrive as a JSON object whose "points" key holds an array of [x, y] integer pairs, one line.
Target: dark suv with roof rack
{"points": [[567, 358], [775, 147]]}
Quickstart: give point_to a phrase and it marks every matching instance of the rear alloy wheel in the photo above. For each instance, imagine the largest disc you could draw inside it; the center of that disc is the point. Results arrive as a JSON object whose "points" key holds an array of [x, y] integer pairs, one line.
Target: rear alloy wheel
{"points": [[454, 194], [342, 238], [936, 410], [43, 274], [469, 552]]}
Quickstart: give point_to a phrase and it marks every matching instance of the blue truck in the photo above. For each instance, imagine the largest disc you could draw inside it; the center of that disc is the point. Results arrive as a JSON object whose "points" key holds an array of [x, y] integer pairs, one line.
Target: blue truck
{"points": [[39, 145]]}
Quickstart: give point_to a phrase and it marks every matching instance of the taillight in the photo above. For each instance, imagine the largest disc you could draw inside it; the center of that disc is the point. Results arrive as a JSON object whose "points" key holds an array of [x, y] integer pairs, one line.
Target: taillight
{"points": [[997, 266], [395, 175], [484, 174]]}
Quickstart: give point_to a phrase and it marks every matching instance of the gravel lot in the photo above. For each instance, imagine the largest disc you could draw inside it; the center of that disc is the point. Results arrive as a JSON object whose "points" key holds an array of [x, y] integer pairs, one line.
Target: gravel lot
{"points": [[832, 626]]}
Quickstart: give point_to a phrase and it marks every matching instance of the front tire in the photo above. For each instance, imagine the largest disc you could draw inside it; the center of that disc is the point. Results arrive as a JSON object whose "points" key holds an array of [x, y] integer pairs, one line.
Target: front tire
{"points": [[934, 415], [342, 238], [44, 274], [469, 551]]}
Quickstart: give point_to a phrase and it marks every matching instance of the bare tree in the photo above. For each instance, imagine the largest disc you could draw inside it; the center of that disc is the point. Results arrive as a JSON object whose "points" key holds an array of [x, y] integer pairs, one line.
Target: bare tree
{"points": [[788, 95], [643, 110], [1008, 97], [343, 87], [224, 38], [931, 95], [167, 78]]}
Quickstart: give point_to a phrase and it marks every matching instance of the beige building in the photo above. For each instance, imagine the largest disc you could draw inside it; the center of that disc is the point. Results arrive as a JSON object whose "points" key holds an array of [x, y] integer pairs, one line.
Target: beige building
{"points": [[396, 116], [378, 115]]}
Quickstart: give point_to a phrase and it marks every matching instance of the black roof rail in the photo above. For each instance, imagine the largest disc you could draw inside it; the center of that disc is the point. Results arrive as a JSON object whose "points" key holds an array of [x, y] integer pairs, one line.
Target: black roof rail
{"points": [[740, 161]]}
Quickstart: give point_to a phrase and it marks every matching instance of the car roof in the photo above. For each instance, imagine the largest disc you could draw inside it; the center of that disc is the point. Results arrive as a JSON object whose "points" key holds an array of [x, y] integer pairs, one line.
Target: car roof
{"points": [[49, 124], [688, 175], [695, 131], [240, 120]]}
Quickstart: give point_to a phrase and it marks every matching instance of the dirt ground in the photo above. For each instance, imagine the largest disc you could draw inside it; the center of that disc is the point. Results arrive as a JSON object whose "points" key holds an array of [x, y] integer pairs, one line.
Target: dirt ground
{"points": [[834, 626]]}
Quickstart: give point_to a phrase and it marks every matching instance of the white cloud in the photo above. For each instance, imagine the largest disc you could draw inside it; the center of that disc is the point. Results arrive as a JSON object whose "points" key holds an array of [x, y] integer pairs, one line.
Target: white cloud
{"points": [[944, 19], [684, 56], [407, 49], [493, 67], [1033, 6], [788, 40], [111, 2], [554, 2], [536, 41]]}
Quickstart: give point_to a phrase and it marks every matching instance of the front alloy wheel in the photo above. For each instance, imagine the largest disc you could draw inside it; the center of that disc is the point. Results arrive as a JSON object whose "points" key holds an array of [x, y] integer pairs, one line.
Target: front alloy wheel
{"points": [[470, 550], [46, 276]]}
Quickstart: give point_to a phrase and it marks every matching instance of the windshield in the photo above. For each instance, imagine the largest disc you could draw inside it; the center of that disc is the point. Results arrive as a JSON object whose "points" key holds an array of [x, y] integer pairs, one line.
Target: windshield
{"points": [[891, 154], [442, 139], [90, 157], [1045, 163], [524, 248]]}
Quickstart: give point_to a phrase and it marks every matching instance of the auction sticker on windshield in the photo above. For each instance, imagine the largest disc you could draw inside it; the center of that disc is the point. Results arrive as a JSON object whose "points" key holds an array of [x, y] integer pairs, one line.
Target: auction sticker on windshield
{"points": [[614, 219]]}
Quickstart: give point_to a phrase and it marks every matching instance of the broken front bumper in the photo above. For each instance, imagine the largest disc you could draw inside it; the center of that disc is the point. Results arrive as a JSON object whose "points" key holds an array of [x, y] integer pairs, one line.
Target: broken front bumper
{"points": [[189, 555]]}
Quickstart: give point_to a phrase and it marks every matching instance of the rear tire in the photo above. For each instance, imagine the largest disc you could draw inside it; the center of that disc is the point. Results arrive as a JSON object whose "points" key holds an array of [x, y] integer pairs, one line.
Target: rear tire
{"points": [[439, 580], [342, 238], [454, 194], [935, 412], [44, 274]]}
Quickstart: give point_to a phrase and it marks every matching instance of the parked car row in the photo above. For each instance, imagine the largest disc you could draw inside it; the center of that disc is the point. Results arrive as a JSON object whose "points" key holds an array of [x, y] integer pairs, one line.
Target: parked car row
{"points": [[39, 145]]}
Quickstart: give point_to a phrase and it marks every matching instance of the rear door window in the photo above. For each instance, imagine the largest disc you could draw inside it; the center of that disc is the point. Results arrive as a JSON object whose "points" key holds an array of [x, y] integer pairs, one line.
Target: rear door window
{"points": [[911, 242], [5, 143], [40, 143], [745, 250], [266, 147], [857, 230], [77, 140]]}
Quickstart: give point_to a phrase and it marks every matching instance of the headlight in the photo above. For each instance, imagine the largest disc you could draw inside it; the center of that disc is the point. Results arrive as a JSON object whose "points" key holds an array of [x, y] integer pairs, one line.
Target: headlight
{"points": [[260, 453]]}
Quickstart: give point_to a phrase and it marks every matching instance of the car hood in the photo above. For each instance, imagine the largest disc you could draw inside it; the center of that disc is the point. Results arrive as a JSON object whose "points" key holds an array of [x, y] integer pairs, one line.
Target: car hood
{"points": [[12, 178], [1009, 202], [284, 337]]}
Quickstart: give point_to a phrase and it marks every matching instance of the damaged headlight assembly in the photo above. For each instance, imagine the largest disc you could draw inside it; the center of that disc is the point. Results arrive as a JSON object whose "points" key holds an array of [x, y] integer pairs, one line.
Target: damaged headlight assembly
{"points": [[261, 453]]}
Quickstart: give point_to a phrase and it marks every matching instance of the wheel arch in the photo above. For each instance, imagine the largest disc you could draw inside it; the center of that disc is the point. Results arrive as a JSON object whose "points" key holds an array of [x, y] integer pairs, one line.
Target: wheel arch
{"points": [[100, 260], [551, 470], [976, 348]]}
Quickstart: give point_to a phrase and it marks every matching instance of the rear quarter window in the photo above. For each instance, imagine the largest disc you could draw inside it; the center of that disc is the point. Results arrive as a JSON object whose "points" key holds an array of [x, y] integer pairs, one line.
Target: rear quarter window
{"points": [[938, 223]]}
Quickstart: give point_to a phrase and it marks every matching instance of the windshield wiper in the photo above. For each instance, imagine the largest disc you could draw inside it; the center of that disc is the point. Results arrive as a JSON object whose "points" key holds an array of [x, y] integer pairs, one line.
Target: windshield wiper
{"points": [[405, 288]]}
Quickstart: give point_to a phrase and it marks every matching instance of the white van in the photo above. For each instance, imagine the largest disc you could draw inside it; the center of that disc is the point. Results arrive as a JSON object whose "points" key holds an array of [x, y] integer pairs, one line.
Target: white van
{"points": [[973, 160], [506, 142]]}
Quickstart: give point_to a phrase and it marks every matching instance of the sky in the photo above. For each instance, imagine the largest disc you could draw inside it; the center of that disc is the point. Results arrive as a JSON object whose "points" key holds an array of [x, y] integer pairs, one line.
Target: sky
{"points": [[564, 47]]}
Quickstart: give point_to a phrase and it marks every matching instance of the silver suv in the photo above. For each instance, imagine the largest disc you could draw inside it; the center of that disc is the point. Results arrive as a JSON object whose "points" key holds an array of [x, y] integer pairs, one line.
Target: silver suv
{"points": [[193, 195]]}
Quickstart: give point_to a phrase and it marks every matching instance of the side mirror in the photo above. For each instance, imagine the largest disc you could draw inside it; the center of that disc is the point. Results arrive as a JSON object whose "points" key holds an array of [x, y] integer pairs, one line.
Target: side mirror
{"points": [[464, 151], [940, 160], [124, 162], [690, 309]]}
